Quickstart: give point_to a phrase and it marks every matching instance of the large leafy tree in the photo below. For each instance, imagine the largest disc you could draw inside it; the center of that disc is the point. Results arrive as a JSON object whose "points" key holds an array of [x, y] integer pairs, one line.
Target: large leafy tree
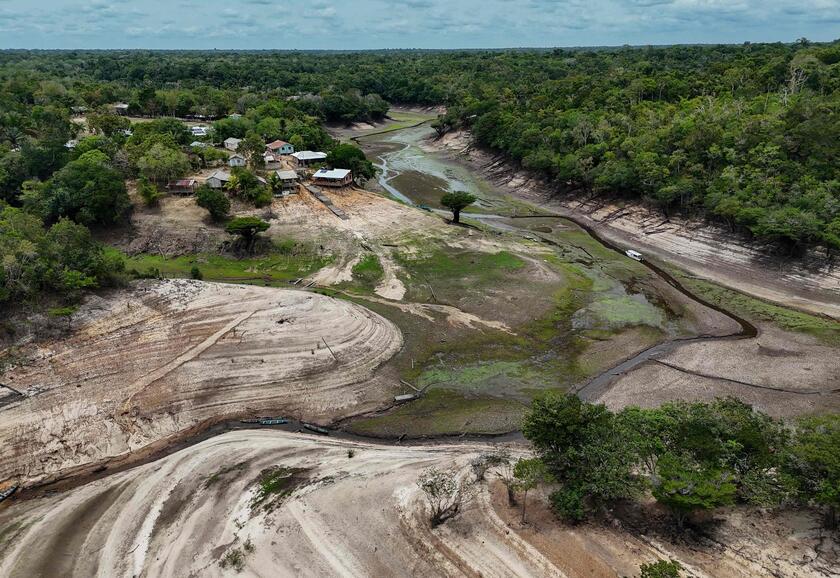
{"points": [[247, 228], [88, 190], [214, 200], [347, 156], [585, 449], [456, 202], [814, 460], [162, 163]]}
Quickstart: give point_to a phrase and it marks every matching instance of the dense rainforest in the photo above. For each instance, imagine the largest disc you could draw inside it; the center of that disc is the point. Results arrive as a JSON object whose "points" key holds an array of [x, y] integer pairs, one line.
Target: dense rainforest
{"points": [[744, 135]]}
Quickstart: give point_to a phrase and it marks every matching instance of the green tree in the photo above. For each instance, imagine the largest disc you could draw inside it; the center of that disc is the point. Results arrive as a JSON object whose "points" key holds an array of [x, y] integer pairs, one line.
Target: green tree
{"points": [[457, 202], [814, 460], [585, 449], [347, 156], [149, 192], [247, 228], [685, 487], [162, 163], [529, 474], [108, 124], [88, 190], [214, 200]]}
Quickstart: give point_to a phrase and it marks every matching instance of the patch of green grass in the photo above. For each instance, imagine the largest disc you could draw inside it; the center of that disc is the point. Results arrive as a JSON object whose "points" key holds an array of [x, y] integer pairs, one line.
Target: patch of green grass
{"points": [[826, 330], [449, 270], [616, 312], [281, 265], [368, 271], [443, 411], [273, 485]]}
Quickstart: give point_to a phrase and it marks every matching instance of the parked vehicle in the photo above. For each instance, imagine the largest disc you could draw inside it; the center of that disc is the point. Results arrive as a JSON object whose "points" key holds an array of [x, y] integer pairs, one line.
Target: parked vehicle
{"points": [[635, 255]]}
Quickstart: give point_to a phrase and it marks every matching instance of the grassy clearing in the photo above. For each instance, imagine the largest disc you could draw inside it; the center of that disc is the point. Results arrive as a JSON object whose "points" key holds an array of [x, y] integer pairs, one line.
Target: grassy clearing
{"points": [[368, 272], [825, 330], [443, 411], [449, 273], [286, 261]]}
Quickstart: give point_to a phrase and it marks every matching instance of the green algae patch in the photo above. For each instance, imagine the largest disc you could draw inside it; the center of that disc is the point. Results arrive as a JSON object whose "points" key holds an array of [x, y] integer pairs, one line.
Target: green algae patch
{"points": [[445, 412]]}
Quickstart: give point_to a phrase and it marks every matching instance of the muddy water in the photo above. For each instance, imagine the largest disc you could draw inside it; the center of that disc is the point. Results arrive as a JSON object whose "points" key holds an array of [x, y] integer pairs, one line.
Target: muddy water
{"points": [[416, 175]]}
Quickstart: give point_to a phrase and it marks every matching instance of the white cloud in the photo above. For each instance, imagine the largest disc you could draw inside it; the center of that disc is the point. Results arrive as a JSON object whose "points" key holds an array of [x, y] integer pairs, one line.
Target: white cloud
{"points": [[408, 23]]}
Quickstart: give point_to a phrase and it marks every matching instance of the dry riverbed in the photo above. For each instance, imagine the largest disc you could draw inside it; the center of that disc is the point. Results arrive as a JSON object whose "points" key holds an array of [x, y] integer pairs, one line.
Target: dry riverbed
{"points": [[263, 503]]}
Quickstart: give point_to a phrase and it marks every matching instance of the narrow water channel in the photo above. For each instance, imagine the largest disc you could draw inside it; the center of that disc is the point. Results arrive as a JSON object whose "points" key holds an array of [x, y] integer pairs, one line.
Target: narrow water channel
{"points": [[412, 173]]}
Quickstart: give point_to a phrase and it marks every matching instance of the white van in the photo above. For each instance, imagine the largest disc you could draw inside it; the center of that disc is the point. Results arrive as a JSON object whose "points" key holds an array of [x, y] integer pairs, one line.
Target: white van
{"points": [[635, 255]]}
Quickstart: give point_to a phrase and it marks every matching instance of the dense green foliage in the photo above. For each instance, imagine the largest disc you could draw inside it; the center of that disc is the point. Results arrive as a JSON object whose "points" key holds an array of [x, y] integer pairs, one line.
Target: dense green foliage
{"points": [[347, 156], [661, 569], [747, 135], [62, 258], [690, 456], [214, 200]]}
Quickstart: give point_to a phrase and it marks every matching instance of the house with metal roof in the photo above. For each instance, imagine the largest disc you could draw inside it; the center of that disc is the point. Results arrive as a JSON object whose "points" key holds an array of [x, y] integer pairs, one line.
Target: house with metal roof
{"points": [[237, 160], [333, 177], [182, 186], [218, 179], [306, 158], [289, 180], [232, 144]]}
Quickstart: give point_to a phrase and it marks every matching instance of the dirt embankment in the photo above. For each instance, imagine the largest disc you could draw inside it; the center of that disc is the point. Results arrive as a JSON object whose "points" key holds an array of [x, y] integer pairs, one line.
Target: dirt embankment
{"points": [[259, 503], [811, 284], [161, 359]]}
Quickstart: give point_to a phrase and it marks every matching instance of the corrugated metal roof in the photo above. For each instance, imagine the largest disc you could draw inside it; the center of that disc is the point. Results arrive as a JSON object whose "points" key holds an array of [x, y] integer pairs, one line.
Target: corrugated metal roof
{"points": [[309, 155], [334, 174], [221, 175], [287, 175]]}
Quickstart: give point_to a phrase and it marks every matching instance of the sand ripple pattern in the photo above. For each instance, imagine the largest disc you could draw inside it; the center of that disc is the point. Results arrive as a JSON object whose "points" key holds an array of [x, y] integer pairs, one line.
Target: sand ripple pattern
{"points": [[169, 356]]}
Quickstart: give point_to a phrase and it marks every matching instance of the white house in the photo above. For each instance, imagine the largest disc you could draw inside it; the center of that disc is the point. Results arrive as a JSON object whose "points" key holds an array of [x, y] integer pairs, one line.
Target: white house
{"points": [[232, 144], [218, 179], [305, 158], [237, 160], [280, 147], [333, 177], [199, 130], [198, 144]]}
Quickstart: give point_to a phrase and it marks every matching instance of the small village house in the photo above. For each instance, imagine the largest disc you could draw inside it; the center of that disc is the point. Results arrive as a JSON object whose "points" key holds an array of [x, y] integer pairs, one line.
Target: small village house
{"points": [[199, 130], [218, 180], [232, 144], [182, 186], [306, 158], [237, 160], [280, 147], [333, 177], [198, 144], [288, 180], [271, 161]]}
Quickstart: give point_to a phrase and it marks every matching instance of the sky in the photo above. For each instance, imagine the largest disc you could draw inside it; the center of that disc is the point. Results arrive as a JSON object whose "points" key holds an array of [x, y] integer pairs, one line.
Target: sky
{"points": [[370, 24]]}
